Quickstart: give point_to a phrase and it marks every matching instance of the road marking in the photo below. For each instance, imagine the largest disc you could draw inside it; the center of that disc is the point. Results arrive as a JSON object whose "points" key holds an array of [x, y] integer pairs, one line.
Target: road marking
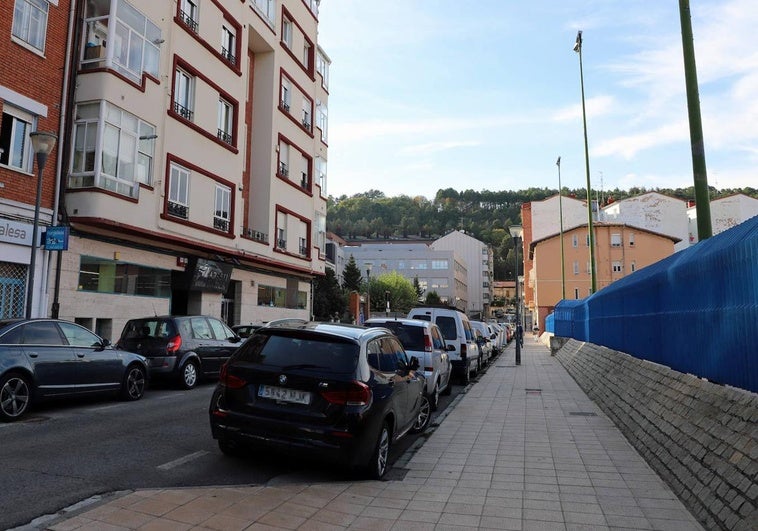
{"points": [[182, 460]]}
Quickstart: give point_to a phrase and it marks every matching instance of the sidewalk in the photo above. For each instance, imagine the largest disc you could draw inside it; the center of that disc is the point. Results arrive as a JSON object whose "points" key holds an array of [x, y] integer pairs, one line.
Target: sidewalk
{"points": [[524, 448]]}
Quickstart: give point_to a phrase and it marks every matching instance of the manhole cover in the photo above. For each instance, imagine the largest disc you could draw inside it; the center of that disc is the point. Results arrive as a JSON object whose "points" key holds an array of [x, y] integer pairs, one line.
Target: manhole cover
{"points": [[583, 414]]}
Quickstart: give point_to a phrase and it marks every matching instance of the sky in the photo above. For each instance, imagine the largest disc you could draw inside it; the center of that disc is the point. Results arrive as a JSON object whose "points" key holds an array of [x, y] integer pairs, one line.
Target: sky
{"points": [[486, 95]]}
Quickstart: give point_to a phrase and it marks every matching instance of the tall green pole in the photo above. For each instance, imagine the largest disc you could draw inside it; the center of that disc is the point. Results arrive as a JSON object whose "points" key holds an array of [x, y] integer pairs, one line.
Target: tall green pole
{"points": [[593, 282], [702, 201], [560, 213]]}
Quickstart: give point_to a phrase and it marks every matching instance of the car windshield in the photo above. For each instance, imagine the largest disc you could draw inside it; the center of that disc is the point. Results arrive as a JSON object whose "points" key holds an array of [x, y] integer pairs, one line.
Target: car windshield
{"points": [[300, 351], [411, 337]]}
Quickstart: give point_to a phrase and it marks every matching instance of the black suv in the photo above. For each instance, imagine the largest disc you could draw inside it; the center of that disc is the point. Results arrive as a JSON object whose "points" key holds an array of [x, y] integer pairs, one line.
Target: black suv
{"points": [[339, 392], [182, 348]]}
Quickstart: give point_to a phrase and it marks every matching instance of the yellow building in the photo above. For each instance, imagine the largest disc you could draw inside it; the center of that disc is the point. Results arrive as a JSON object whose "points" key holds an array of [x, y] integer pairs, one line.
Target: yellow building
{"points": [[620, 250]]}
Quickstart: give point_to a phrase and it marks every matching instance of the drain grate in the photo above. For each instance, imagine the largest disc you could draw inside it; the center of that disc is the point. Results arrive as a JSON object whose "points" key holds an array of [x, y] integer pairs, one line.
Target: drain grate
{"points": [[583, 413]]}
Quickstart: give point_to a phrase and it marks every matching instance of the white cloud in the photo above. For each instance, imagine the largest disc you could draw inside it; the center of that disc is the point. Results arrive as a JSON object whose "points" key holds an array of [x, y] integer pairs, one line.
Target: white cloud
{"points": [[630, 145], [596, 106], [435, 147]]}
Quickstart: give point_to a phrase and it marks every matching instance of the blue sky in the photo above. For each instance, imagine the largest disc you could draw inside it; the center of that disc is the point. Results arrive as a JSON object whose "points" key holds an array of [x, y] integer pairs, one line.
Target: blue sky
{"points": [[485, 95]]}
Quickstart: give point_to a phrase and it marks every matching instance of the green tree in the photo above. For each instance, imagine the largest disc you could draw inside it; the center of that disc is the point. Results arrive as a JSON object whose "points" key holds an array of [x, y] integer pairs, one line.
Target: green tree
{"points": [[328, 298], [394, 287], [351, 276], [433, 298]]}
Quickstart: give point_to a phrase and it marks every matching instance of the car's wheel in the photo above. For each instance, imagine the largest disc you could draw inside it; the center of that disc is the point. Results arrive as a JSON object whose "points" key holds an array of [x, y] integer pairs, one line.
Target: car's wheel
{"points": [[377, 466], [434, 397], [230, 448], [189, 375], [134, 383], [424, 415], [15, 396], [466, 376]]}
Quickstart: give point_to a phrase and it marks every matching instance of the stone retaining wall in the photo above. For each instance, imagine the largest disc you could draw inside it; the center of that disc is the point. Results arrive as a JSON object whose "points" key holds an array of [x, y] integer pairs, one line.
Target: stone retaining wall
{"points": [[701, 438]]}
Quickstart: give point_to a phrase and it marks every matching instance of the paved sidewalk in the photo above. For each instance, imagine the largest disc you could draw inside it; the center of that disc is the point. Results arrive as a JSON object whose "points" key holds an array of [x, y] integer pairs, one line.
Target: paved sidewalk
{"points": [[523, 449]]}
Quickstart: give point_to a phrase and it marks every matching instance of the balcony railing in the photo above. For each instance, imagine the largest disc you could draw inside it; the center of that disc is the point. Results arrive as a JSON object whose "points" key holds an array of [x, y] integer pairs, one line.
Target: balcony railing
{"points": [[188, 21], [303, 249], [306, 123], [284, 106], [183, 111], [228, 55], [256, 235], [304, 181], [221, 224], [224, 136], [281, 244], [178, 210], [283, 171]]}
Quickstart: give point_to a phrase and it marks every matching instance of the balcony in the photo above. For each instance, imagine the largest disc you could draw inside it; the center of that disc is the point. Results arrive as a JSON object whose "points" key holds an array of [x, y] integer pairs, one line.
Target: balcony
{"points": [[306, 123], [221, 224], [178, 210], [281, 244], [228, 55], [256, 235], [303, 249], [188, 21], [284, 106], [183, 111], [224, 136], [283, 171], [304, 181]]}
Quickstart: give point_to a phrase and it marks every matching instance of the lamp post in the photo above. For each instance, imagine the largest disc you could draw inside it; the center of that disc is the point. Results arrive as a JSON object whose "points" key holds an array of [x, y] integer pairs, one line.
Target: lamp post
{"points": [[387, 299], [578, 49], [516, 232], [368, 291], [560, 213], [43, 144]]}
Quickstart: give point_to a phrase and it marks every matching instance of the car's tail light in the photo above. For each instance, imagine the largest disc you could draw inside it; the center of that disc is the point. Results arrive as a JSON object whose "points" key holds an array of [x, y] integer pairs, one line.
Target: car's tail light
{"points": [[429, 369], [174, 344], [353, 394], [229, 380], [464, 351], [427, 343]]}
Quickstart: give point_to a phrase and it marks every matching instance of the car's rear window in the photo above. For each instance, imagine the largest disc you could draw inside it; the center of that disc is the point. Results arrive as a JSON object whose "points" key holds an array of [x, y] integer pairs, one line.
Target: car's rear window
{"points": [[148, 328], [411, 337], [300, 352]]}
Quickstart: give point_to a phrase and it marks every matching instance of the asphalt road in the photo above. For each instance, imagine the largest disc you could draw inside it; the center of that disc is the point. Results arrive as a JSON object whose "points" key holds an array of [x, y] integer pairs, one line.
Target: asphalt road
{"points": [[63, 453]]}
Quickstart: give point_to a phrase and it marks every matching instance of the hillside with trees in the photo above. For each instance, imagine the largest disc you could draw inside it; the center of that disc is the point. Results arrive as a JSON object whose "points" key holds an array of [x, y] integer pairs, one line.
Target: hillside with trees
{"points": [[485, 215]]}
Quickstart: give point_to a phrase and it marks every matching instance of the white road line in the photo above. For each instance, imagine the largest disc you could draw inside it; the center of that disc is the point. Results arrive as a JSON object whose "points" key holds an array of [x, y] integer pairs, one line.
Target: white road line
{"points": [[182, 460]]}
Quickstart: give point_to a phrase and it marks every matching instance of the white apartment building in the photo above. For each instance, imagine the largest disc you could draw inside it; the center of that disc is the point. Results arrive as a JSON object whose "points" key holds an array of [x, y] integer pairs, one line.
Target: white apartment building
{"points": [[726, 213], [195, 170], [480, 271], [654, 212], [438, 270]]}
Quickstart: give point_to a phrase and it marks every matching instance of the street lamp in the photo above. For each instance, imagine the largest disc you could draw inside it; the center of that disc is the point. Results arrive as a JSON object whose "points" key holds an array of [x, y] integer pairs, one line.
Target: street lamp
{"points": [[578, 49], [560, 213], [387, 299], [43, 144], [516, 233], [368, 291]]}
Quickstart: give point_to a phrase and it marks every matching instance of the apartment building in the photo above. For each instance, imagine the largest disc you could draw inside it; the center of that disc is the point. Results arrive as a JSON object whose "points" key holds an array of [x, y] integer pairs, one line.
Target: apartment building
{"points": [[726, 212], [194, 161], [441, 271], [621, 250], [33, 44], [480, 271]]}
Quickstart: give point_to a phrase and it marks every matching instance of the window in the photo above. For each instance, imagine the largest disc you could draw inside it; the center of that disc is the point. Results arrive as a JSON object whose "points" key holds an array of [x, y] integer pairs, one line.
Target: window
{"points": [[284, 157], [14, 138], [576, 267], [440, 264], [631, 239], [587, 239], [307, 48], [281, 239], [30, 22], [178, 192], [576, 293], [305, 174], [322, 67], [132, 39], [322, 120], [189, 14], [266, 8], [617, 267], [319, 227], [285, 95], [306, 113], [321, 174], [122, 160], [588, 268], [225, 121], [109, 276], [615, 240], [575, 240], [184, 89], [302, 246], [633, 266], [287, 32], [221, 210], [228, 44]]}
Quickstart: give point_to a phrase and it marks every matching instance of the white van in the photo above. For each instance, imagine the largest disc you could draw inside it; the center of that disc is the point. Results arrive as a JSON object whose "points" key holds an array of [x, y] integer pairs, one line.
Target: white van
{"points": [[456, 329]]}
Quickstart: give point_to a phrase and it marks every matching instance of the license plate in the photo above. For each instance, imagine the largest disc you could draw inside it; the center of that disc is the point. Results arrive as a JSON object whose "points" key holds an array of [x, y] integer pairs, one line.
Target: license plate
{"points": [[284, 395]]}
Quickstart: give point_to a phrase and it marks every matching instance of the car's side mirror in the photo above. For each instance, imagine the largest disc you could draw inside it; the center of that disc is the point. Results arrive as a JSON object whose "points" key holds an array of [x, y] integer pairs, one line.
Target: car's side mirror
{"points": [[234, 339], [414, 364]]}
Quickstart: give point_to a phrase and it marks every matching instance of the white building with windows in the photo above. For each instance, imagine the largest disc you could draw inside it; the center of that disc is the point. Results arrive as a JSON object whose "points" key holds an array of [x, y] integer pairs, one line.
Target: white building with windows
{"points": [[195, 176]]}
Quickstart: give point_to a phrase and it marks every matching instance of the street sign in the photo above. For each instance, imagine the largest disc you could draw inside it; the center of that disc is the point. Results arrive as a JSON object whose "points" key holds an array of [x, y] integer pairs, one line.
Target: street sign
{"points": [[56, 238]]}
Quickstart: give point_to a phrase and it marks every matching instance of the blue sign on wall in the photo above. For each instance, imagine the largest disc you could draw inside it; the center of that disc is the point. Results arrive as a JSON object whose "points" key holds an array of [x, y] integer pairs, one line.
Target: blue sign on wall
{"points": [[56, 238]]}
